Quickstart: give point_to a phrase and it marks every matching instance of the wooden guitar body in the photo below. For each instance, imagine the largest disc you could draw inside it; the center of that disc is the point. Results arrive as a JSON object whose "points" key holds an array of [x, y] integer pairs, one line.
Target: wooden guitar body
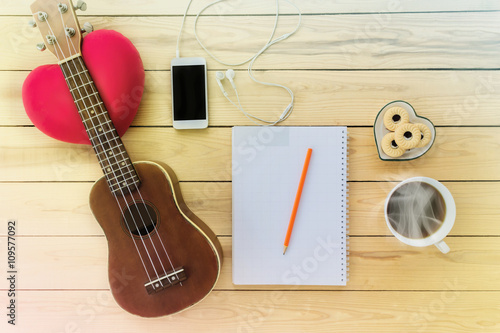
{"points": [[177, 242]]}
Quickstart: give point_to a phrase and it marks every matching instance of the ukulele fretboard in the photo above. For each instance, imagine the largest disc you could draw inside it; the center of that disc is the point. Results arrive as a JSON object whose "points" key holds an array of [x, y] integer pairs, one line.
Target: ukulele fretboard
{"points": [[111, 153]]}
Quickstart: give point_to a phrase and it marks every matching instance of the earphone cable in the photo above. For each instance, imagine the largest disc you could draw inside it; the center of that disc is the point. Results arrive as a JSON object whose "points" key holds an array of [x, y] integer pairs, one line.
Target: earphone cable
{"points": [[288, 110], [177, 53], [268, 43]]}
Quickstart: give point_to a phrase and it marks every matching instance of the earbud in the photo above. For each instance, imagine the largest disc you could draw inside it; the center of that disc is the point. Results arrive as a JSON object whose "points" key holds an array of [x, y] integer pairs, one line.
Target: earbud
{"points": [[230, 76], [220, 76]]}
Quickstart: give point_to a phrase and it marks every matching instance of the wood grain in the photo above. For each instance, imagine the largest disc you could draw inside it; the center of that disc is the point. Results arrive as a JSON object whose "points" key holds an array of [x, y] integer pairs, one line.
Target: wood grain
{"points": [[446, 311], [348, 60], [452, 40], [158, 7], [61, 209], [448, 98], [376, 263], [475, 201], [471, 153]]}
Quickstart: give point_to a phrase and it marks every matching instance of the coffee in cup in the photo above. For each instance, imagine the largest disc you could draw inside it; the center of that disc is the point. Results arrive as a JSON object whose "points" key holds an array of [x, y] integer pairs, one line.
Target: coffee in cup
{"points": [[420, 211]]}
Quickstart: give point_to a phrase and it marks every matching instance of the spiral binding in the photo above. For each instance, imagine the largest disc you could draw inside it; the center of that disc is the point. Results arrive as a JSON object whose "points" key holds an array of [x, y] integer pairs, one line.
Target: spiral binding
{"points": [[345, 205]]}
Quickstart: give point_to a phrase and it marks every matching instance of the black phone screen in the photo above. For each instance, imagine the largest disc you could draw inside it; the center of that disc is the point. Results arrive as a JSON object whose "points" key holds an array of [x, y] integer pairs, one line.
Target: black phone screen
{"points": [[189, 92]]}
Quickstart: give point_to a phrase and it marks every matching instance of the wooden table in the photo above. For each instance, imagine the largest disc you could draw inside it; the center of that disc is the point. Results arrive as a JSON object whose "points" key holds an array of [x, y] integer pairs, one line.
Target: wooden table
{"points": [[348, 59]]}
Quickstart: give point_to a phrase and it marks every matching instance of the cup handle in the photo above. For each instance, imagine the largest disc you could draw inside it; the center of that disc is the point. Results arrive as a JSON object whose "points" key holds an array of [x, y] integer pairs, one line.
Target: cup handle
{"points": [[443, 247]]}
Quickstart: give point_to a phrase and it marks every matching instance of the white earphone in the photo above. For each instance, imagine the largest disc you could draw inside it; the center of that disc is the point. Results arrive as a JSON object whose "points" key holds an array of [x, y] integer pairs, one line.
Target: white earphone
{"points": [[230, 74], [219, 76]]}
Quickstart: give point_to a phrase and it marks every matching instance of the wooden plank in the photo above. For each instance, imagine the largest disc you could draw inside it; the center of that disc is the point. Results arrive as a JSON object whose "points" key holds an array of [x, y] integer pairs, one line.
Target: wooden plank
{"points": [[28, 150], [448, 311], [376, 263], [454, 156], [47, 209], [157, 7], [453, 40], [62, 208], [28, 155], [477, 208], [322, 97], [385, 263]]}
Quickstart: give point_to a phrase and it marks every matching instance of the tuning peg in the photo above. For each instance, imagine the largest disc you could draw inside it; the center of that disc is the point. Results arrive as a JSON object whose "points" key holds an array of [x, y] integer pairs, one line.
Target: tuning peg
{"points": [[87, 27], [63, 8], [32, 23], [42, 16], [70, 32], [41, 47], [82, 5], [51, 39]]}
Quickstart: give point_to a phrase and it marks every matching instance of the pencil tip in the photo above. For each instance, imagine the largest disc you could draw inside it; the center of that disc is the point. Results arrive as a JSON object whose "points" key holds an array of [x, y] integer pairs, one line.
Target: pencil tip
{"points": [[284, 249]]}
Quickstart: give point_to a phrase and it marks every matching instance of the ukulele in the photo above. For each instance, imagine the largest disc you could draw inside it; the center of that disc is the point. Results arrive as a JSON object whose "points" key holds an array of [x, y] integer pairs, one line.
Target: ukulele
{"points": [[162, 258]]}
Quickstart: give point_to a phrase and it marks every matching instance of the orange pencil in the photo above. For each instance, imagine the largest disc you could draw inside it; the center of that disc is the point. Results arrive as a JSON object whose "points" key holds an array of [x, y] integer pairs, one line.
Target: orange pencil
{"points": [[297, 199]]}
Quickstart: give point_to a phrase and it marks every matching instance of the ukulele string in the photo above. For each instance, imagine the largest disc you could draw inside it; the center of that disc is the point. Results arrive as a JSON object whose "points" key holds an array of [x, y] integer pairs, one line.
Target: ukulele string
{"points": [[122, 173], [101, 143], [109, 162], [137, 189], [115, 176]]}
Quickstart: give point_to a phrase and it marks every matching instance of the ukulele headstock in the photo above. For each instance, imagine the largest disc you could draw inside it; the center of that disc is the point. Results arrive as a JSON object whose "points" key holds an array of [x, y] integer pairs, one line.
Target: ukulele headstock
{"points": [[58, 24]]}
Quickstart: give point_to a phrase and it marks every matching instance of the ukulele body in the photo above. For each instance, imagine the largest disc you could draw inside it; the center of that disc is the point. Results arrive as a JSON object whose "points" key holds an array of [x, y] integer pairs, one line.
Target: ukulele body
{"points": [[193, 249]]}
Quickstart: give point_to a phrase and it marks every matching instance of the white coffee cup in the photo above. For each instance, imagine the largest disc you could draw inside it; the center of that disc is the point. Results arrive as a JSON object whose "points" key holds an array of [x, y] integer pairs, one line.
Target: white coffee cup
{"points": [[436, 238]]}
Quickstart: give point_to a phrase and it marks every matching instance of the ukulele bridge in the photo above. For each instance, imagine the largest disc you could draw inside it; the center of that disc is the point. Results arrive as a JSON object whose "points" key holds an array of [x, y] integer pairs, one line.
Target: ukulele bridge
{"points": [[173, 277]]}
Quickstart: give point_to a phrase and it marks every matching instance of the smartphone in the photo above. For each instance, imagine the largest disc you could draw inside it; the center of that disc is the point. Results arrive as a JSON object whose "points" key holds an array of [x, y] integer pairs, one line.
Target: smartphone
{"points": [[189, 93]]}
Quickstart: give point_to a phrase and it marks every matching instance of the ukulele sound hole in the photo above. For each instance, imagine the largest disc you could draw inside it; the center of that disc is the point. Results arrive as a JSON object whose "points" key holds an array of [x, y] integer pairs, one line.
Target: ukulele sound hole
{"points": [[140, 218]]}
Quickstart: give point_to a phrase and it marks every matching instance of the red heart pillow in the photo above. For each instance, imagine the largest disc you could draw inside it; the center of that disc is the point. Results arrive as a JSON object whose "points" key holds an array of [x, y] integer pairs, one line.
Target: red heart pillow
{"points": [[118, 73]]}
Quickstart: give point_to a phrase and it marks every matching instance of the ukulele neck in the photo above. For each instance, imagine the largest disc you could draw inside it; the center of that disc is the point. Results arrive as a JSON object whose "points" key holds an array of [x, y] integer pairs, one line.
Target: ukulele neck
{"points": [[120, 173]]}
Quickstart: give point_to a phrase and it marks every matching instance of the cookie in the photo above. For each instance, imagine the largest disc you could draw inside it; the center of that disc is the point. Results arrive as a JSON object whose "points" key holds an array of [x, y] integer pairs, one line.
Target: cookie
{"points": [[390, 147], [407, 136], [394, 117], [426, 135]]}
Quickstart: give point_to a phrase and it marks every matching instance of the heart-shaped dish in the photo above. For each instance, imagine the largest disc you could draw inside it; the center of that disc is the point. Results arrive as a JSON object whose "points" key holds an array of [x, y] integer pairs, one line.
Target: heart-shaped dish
{"points": [[118, 73], [379, 131]]}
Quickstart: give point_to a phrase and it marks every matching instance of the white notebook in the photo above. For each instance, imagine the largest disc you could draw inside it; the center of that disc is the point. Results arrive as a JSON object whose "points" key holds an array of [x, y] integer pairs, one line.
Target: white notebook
{"points": [[267, 165]]}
